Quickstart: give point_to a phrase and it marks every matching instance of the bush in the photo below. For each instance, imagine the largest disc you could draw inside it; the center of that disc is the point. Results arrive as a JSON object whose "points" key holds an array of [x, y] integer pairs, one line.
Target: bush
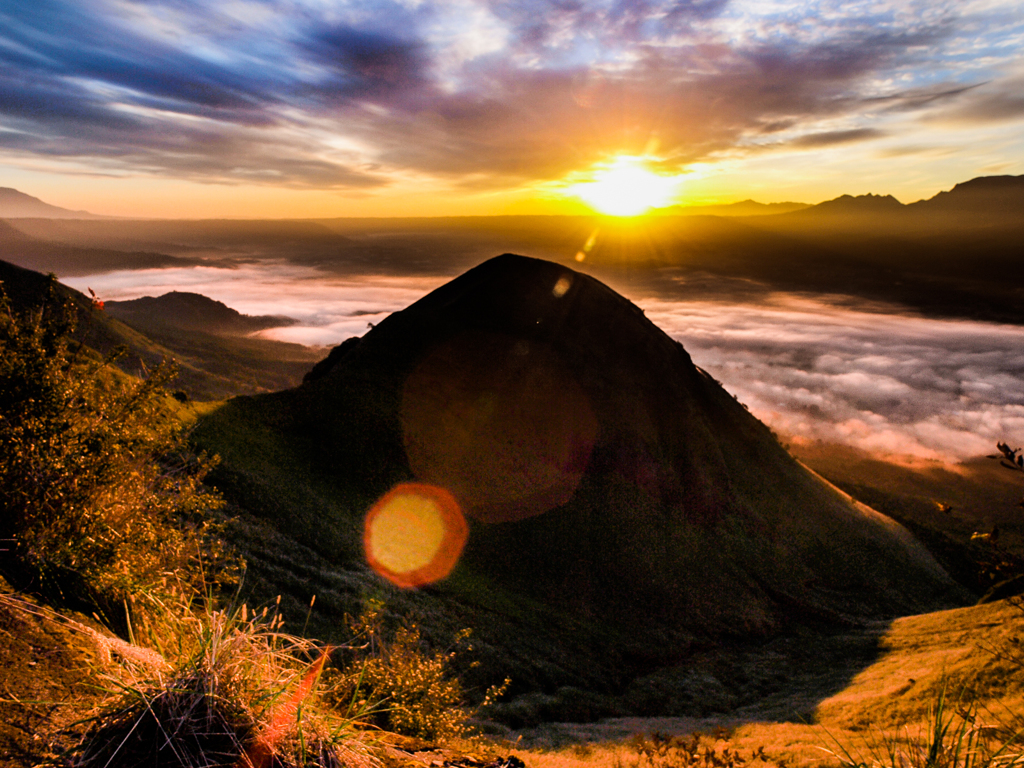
{"points": [[99, 499], [402, 687]]}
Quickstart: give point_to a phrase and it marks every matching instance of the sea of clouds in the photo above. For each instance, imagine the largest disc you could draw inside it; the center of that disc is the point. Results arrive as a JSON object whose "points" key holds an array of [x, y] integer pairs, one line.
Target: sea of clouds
{"points": [[883, 382], [811, 368]]}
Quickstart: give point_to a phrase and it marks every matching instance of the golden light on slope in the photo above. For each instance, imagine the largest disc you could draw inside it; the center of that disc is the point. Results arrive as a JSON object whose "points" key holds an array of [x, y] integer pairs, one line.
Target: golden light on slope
{"points": [[626, 187], [414, 534]]}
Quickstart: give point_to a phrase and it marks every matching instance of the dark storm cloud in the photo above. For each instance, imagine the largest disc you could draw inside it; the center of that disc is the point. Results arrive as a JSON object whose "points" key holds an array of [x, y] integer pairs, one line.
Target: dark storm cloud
{"points": [[921, 98], [364, 64], [482, 91], [521, 124], [540, 24], [56, 42], [74, 84]]}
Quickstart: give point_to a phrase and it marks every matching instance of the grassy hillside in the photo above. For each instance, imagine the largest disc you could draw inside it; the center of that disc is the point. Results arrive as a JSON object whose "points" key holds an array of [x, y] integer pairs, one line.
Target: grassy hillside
{"points": [[876, 705], [945, 506]]}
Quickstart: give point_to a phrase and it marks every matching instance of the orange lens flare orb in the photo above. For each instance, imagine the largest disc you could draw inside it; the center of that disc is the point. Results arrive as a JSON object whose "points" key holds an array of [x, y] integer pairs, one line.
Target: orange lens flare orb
{"points": [[414, 534]]}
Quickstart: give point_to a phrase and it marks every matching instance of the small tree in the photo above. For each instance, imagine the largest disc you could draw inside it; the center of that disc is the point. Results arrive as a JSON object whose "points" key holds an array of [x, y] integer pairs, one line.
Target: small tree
{"points": [[99, 498]]}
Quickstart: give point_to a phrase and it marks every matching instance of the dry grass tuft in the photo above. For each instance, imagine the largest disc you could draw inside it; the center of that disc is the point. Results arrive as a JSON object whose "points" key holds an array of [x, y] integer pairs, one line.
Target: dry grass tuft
{"points": [[957, 734], [241, 693]]}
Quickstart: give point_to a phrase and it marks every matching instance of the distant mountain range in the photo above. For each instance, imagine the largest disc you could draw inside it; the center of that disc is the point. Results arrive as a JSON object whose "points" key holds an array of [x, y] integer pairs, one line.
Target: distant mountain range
{"points": [[986, 196], [954, 255], [861, 204], [17, 205], [742, 208], [1006, 193]]}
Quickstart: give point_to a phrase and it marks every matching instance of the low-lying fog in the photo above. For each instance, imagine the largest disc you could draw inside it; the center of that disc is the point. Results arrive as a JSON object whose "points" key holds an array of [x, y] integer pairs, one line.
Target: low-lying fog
{"points": [[810, 368]]}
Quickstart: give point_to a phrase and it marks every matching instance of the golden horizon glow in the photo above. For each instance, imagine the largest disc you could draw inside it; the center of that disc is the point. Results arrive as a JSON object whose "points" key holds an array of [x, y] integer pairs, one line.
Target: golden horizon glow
{"points": [[626, 187]]}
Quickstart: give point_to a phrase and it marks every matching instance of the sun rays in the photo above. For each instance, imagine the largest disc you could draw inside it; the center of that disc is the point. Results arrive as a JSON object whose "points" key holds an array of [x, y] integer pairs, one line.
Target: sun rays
{"points": [[626, 186]]}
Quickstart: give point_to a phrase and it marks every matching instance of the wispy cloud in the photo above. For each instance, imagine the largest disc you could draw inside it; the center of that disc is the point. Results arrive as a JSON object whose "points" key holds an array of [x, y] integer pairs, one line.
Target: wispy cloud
{"points": [[484, 92]]}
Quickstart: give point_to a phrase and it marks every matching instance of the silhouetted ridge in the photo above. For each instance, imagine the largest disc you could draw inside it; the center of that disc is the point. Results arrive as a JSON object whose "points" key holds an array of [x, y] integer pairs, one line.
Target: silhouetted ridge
{"points": [[43, 255], [191, 311], [985, 195], [11, 234], [15, 204], [859, 205], [742, 208]]}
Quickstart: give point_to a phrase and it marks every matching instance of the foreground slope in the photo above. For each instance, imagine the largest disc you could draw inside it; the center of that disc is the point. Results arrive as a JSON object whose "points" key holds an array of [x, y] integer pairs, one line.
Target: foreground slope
{"points": [[971, 655], [606, 476]]}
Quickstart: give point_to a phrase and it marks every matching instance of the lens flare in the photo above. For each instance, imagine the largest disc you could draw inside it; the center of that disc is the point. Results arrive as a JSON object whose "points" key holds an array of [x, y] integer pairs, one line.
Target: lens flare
{"points": [[414, 534], [501, 421]]}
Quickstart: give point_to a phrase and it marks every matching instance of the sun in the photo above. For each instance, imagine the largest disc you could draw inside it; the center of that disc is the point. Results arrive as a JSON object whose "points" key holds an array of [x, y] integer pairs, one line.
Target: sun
{"points": [[626, 187]]}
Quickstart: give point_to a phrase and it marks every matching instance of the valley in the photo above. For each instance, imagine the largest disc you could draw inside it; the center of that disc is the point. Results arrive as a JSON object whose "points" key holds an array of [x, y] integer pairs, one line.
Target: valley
{"points": [[645, 555]]}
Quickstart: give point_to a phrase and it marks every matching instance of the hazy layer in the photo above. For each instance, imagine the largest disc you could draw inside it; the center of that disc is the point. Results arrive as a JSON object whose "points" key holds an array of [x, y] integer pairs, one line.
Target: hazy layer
{"points": [[811, 369]]}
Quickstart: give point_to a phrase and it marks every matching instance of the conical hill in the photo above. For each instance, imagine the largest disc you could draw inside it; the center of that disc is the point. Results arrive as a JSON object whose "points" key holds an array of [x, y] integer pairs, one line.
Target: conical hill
{"points": [[604, 474]]}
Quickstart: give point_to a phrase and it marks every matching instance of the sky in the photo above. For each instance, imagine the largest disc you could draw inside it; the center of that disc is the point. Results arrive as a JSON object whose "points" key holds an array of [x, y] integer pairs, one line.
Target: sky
{"points": [[315, 108]]}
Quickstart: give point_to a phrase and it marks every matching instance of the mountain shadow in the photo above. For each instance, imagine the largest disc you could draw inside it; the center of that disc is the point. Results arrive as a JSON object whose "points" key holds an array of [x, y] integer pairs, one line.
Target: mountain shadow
{"points": [[609, 482], [15, 204]]}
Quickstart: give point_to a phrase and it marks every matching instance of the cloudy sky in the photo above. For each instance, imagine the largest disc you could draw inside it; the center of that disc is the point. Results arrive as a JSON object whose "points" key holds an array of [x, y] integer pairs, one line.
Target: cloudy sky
{"points": [[421, 107]]}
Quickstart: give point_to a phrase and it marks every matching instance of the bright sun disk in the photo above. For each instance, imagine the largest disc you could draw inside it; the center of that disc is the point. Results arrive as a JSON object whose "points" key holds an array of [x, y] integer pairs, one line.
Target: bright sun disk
{"points": [[626, 187]]}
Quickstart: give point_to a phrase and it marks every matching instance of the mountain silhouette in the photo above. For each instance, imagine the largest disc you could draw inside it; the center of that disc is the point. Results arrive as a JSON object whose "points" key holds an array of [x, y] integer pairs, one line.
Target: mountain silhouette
{"points": [[191, 312], [987, 195], [849, 205], [605, 475], [15, 204]]}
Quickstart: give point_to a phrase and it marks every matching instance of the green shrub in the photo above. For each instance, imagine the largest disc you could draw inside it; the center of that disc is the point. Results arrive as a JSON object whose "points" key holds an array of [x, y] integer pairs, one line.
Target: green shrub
{"points": [[99, 498], [401, 686]]}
